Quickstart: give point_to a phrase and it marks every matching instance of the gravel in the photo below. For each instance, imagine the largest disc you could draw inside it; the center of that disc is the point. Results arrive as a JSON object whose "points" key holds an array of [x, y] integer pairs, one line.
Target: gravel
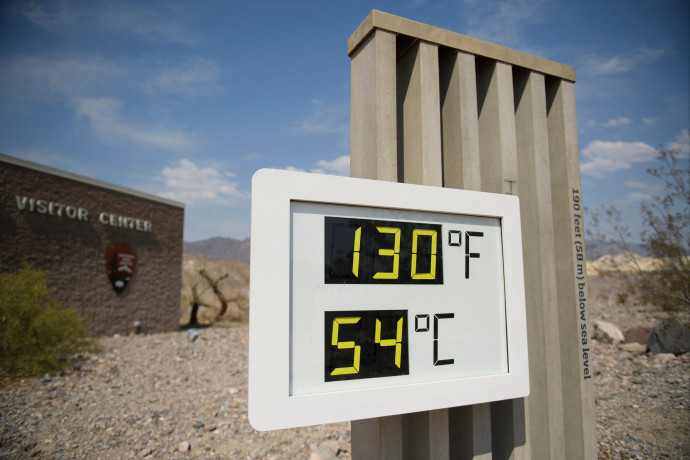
{"points": [[642, 401], [152, 396], [162, 396]]}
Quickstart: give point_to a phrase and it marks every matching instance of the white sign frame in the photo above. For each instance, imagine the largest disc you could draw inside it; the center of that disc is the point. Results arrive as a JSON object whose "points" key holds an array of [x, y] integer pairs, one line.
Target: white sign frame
{"points": [[270, 404]]}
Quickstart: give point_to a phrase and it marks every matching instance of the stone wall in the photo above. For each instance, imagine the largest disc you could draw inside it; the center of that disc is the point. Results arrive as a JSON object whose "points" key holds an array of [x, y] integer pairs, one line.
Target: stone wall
{"points": [[63, 224]]}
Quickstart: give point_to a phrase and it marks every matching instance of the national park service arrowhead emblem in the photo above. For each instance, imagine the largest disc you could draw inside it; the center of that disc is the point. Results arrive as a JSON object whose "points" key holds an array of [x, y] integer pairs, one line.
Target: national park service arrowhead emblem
{"points": [[120, 263]]}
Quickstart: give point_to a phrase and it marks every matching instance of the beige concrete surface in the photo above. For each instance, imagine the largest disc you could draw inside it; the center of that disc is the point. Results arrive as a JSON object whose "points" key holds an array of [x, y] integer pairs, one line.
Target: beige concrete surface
{"points": [[434, 107], [373, 130], [380, 20]]}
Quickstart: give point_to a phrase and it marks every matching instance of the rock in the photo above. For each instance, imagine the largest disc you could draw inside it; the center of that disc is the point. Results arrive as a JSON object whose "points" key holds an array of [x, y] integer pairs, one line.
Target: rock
{"points": [[330, 444], [639, 334], [665, 357], [183, 446], [607, 332], [633, 347], [46, 449], [669, 337], [192, 335], [321, 453]]}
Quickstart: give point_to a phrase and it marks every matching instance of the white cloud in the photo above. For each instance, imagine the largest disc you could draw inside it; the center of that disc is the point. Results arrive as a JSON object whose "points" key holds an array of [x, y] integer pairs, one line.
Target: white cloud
{"points": [[682, 143], [503, 22], [605, 157], [649, 120], [104, 117], [638, 196], [622, 63], [325, 119], [196, 76], [163, 24], [189, 183], [337, 167], [35, 77], [619, 121], [645, 187], [642, 191], [81, 76], [633, 184], [51, 16], [54, 159]]}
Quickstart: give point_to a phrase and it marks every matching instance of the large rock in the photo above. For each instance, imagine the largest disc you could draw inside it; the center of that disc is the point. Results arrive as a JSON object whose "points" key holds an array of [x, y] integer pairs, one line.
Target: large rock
{"points": [[669, 336], [607, 332], [633, 347], [638, 334]]}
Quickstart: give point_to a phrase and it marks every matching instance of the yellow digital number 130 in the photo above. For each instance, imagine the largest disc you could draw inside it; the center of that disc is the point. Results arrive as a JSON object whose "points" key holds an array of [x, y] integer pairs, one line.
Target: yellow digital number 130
{"points": [[395, 253]]}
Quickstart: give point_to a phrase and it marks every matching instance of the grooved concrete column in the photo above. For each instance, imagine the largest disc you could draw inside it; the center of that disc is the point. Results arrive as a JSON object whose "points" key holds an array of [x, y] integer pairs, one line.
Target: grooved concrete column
{"points": [[377, 438], [425, 435], [470, 426], [497, 142], [373, 155], [471, 432], [571, 274], [459, 122], [509, 430], [546, 406], [373, 137], [499, 173], [447, 109], [419, 116]]}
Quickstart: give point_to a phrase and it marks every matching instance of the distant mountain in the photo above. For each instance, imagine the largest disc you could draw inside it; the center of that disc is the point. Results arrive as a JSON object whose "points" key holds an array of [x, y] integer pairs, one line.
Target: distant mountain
{"points": [[219, 248], [596, 249]]}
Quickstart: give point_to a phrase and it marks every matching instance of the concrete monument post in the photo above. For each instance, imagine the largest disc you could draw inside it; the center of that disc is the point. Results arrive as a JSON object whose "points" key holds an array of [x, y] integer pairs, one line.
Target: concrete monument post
{"points": [[434, 107]]}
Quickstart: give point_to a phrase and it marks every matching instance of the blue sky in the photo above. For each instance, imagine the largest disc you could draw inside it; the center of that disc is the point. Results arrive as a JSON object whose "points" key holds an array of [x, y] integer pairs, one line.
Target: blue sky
{"points": [[188, 99]]}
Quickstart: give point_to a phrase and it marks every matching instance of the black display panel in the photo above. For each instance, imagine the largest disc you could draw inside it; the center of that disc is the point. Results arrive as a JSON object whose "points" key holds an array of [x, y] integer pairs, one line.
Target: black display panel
{"points": [[366, 251], [365, 344]]}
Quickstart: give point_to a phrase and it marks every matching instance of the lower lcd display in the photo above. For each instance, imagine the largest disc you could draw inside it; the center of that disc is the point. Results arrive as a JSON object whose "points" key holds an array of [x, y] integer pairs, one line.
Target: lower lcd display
{"points": [[365, 344]]}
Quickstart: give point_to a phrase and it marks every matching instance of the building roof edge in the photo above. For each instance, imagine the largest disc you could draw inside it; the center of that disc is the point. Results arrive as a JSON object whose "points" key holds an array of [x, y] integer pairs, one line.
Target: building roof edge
{"points": [[88, 180]]}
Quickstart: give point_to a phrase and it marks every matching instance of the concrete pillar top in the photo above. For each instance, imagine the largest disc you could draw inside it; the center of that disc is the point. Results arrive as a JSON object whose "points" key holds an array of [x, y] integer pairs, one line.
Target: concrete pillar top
{"points": [[396, 24]]}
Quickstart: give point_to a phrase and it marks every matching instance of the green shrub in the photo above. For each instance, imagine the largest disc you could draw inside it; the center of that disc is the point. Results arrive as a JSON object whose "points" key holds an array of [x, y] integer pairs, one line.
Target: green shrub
{"points": [[666, 236], [667, 287], [37, 334]]}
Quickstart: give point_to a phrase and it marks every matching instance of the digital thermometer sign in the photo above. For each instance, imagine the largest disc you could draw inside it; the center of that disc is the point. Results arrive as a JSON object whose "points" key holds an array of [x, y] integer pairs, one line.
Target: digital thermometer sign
{"points": [[372, 298]]}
